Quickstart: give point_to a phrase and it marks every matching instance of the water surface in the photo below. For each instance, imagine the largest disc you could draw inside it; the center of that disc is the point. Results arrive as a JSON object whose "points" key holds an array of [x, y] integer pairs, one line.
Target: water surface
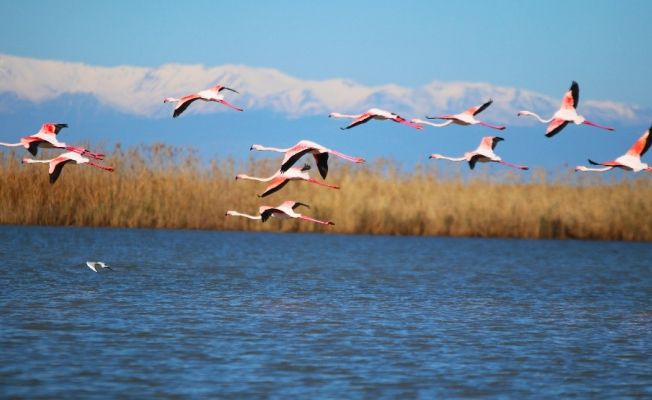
{"points": [[222, 314]]}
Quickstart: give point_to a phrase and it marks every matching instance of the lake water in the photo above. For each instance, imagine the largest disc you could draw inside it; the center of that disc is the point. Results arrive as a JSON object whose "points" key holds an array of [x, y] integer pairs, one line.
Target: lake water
{"points": [[189, 314]]}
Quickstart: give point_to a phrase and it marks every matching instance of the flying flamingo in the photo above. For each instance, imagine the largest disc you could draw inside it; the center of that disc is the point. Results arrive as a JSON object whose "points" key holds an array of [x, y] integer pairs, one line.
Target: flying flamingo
{"points": [[566, 113], [57, 163], [285, 210], [280, 179], [467, 117], [46, 138], [294, 153], [484, 153], [373, 113], [630, 161], [212, 94]]}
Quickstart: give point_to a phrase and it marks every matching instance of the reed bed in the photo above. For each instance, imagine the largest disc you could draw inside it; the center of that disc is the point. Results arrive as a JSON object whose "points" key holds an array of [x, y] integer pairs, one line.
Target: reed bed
{"points": [[159, 186]]}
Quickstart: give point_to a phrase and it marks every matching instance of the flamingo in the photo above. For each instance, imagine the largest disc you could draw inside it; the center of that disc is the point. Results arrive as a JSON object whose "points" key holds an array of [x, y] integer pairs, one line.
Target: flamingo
{"points": [[94, 265], [284, 210], [280, 179], [374, 113], [567, 113], [467, 117], [484, 153], [57, 163], [46, 137], [212, 94], [630, 161], [294, 153]]}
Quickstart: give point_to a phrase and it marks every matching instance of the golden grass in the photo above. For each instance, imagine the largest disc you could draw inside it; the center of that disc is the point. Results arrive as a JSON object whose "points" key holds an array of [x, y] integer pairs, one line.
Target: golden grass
{"points": [[163, 187]]}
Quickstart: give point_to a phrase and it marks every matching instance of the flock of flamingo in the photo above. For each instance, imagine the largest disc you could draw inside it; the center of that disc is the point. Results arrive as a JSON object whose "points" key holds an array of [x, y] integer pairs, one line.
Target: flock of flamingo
{"points": [[46, 137]]}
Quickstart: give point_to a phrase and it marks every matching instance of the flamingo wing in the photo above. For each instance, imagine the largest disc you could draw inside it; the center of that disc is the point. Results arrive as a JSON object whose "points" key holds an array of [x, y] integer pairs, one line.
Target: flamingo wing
{"points": [[33, 146], [52, 129], [298, 204], [54, 175], [473, 160], [494, 141], [571, 97], [606, 163], [264, 216], [642, 145], [366, 117], [277, 184], [322, 163], [478, 109], [219, 88], [292, 156], [555, 126], [184, 102]]}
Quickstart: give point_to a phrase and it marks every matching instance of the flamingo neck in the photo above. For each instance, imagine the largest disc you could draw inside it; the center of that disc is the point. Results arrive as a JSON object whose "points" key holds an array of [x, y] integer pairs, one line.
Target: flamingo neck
{"points": [[535, 115], [11, 144], [33, 161], [170, 100], [340, 115], [439, 156], [239, 214], [588, 169], [264, 148], [254, 178]]}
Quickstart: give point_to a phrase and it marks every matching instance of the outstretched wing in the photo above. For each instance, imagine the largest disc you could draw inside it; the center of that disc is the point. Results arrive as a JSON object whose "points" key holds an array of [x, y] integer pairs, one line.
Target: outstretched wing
{"points": [[571, 97], [478, 109], [474, 159], [184, 102], [642, 145], [494, 141], [555, 126], [277, 184], [366, 117], [57, 170], [219, 88], [290, 160], [264, 216], [322, 163], [606, 163]]}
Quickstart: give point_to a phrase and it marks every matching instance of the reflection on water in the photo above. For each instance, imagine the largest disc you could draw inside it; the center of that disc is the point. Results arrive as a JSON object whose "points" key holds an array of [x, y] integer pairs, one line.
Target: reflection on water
{"points": [[207, 314]]}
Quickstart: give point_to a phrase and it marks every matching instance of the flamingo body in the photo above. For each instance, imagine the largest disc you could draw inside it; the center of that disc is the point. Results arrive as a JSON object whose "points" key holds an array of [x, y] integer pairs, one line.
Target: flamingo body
{"points": [[56, 164], [281, 178], [484, 153], [467, 117], [630, 161], [212, 94], [285, 210], [46, 138], [373, 113], [303, 147], [566, 113]]}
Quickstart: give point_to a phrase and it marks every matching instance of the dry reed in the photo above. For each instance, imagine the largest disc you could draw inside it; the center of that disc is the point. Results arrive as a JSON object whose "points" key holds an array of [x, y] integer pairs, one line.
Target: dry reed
{"points": [[159, 186]]}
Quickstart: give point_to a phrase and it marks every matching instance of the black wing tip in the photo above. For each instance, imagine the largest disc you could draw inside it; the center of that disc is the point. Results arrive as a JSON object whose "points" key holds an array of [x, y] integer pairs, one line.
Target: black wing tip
{"points": [[593, 162]]}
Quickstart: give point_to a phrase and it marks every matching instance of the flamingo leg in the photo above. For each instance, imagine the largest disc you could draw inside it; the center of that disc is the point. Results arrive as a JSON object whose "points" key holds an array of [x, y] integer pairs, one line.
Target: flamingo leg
{"points": [[523, 167], [312, 180], [104, 167], [316, 220], [226, 103], [358, 160], [500, 128], [587, 122]]}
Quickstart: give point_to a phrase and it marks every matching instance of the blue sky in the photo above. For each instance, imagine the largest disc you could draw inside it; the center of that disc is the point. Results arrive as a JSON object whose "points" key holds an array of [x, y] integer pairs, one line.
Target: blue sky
{"points": [[537, 46], [534, 45]]}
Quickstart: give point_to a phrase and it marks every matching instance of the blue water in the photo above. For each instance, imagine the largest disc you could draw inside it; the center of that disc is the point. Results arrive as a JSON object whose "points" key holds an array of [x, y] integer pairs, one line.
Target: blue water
{"points": [[191, 314]]}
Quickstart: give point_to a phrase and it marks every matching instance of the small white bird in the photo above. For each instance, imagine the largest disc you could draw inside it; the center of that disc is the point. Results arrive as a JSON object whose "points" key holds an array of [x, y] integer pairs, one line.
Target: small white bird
{"points": [[97, 264]]}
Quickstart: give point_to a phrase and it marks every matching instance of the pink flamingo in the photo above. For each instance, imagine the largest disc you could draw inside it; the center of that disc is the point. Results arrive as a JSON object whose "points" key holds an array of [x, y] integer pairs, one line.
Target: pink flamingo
{"points": [[57, 163], [566, 113], [284, 210], [484, 153], [212, 94], [374, 113], [294, 153], [46, 138], [630, 161], [280, 179], [467, 117]]}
